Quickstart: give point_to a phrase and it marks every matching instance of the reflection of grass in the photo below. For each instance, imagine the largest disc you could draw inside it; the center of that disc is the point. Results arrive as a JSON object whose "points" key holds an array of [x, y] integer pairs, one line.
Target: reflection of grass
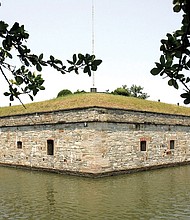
{"points": [[95, 99]]}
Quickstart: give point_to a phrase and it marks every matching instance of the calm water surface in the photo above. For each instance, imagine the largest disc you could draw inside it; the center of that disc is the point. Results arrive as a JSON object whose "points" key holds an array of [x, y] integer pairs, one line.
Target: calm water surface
{"points": [[159, 194]]}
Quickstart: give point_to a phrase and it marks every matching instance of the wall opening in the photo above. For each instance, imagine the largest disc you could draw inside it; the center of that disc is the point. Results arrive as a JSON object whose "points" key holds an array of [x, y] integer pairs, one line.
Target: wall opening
{"points": [[143, 145], [172, 144], [137, 127], [19, 144], [50, 147]]}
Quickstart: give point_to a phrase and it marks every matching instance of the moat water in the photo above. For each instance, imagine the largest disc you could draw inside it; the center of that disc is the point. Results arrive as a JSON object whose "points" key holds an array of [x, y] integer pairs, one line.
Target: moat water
{"points": [[158, 194]]}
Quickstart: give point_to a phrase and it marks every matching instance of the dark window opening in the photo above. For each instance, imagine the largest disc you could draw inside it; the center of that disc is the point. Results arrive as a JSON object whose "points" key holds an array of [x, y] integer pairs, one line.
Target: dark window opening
{"points": [[50, 147], [172, 144], [19, 144], [137, 127], [143, 145]]}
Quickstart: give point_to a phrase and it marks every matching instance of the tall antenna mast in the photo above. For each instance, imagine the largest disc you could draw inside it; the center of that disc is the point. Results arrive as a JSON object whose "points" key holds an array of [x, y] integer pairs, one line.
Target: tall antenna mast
{"points": [[93, 89], [93, 75]]}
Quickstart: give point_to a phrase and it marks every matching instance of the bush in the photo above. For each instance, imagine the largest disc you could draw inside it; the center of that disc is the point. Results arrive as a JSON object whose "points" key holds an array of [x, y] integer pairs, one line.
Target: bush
{"points": [[79, 91], [64, 92], [134, 91], [121, 91]]}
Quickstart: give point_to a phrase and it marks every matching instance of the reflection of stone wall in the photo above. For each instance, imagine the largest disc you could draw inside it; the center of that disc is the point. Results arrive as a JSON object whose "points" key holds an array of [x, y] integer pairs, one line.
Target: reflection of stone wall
{"points": [[94, 140]]}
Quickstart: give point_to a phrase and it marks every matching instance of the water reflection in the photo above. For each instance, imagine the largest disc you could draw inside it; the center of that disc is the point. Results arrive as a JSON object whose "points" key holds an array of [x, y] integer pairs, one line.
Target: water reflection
{"points": [[160, 194]]}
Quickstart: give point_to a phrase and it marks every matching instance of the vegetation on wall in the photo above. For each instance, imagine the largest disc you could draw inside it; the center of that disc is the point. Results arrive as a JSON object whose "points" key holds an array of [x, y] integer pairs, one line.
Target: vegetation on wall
{"points": [[84, 100], [133, 91], [79, 91], [64, 92]]}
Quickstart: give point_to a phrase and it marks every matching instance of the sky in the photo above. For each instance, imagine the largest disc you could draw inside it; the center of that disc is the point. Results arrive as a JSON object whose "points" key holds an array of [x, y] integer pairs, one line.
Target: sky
{"points": [[127, 38]]}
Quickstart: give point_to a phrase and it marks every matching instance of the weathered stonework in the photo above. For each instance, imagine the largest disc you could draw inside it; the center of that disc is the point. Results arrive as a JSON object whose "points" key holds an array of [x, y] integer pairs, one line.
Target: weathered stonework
{"points": [[95, 141]]}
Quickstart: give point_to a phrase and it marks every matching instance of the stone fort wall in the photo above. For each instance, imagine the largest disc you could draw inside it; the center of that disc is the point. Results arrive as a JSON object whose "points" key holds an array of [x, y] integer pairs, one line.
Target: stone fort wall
{"points": [[94, 141]]}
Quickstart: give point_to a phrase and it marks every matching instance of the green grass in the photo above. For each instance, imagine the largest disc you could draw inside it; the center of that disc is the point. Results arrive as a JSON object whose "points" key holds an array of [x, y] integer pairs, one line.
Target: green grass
{"points": [[95, 99]]}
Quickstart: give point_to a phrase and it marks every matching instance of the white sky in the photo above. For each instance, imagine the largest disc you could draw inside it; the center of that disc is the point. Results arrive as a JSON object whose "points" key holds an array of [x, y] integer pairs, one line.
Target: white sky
{"points": [[127, 39]]}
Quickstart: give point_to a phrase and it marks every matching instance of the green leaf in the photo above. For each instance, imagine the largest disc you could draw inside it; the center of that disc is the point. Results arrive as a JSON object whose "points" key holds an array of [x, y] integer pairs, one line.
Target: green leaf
{"points": [[87, 56], [91, 58], [177, 8], [87, 70], [162, 60], [70, 62], [94, 67], [9, 55], [172, 82], [41, 56], [76, 71], [97, 62], [187, 80], [56, 61], [41, 87], [19, 80], [179, 33], [31, 97], [81, 56], [22, 68], [38, 67], [175, 1], [6, 93], [79, 62], [168, 64], [35, 91], [155, 71], [3, 27], [178, 54], [175, 84], [43, 63], [185, 95], [52, 58], [187, 101], [179, 76], [14, 27], [159, 66], [163, 41], [71, 68], [4, 43], [74, 58], [11, 98], [170, 37]]}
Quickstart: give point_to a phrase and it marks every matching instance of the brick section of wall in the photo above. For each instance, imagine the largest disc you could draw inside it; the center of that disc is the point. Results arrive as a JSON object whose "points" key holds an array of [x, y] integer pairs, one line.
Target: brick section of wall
{"points": [[94, 140]]}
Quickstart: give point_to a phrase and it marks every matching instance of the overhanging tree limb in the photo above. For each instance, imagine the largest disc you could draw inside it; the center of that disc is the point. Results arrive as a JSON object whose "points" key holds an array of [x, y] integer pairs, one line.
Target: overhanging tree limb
{"points": [[175, 58], [23, 80]]}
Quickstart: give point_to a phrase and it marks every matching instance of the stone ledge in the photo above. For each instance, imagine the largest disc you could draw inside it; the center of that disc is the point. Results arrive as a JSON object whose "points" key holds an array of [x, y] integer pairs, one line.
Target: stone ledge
{"points": [[95, 175]]}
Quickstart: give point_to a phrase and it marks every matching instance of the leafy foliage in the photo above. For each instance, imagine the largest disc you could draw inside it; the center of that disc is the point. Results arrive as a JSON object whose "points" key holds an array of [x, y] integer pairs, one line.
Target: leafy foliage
{"points": [[137, 91], [175, 59], [133, 91], [124, 91], [79, 91], [64, 92], [23, 80]]}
